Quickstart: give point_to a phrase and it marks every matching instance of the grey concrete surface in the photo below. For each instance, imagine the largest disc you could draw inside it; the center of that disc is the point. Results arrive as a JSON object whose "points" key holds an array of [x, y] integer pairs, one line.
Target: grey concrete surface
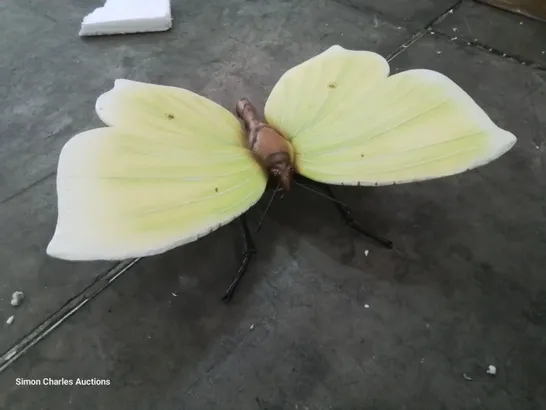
{"points": [[498, 29], [316, 324]]}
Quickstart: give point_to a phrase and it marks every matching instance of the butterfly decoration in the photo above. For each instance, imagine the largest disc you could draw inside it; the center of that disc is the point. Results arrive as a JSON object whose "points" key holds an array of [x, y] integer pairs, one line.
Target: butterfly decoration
{"points": [[171, 166]]}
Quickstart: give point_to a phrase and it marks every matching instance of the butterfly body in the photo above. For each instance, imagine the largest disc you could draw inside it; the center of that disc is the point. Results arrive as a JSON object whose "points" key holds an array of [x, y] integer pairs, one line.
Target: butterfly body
{"points": [[272, 150]]}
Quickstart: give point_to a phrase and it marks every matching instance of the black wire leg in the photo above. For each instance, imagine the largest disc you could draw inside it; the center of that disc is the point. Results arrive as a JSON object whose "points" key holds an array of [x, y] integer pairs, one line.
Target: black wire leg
{"points": [[346, 215], [248, 251]]}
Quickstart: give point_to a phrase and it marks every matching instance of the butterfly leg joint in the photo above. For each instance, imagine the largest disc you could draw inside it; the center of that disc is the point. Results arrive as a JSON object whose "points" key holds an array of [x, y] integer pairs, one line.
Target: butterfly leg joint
{"points": [[349, 220], [248, 251]]}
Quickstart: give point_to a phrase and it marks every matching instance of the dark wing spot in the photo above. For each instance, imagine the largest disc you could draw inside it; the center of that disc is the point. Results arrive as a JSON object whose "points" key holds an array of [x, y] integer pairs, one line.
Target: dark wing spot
{"points": [[216, 189], [361, 155], [332, 85], [170, 116]]}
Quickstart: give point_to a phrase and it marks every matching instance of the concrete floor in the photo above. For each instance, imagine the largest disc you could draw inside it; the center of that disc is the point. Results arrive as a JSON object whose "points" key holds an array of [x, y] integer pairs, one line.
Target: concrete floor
{"points": [[316, 324]]}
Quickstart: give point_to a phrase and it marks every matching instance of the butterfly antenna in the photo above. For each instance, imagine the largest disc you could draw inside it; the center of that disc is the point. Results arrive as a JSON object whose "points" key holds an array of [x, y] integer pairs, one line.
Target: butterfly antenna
{"points": [[267, 207], [320, 194]]}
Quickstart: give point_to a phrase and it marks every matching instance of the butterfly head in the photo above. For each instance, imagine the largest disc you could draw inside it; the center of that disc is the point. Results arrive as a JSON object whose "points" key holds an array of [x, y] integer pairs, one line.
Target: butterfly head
{"points": [[281, 168]]}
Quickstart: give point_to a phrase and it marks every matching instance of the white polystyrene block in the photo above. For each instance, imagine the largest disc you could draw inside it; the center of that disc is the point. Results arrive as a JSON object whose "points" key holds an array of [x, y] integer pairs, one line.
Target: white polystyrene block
{"points": [[128, 16]]}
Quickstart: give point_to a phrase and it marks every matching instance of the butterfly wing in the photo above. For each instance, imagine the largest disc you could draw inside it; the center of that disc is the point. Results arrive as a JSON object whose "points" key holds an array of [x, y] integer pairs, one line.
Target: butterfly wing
{"points": [[171, 167], [351, 123]]}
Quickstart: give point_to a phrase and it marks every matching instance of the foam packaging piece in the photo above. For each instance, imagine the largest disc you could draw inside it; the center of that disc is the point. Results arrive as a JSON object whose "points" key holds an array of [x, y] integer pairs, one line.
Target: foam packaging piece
{"points": [[128, 16]]}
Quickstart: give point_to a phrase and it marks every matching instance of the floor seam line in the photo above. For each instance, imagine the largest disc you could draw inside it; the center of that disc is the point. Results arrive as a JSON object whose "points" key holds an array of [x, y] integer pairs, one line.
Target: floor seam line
{"points": [[64, 312], [422, 32], [25, 189], [466, 41]]}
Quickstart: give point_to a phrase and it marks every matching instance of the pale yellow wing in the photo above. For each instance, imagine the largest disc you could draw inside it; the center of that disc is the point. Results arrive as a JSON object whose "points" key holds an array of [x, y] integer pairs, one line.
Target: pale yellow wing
{"points": [[350, 123], [171, 168]]}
